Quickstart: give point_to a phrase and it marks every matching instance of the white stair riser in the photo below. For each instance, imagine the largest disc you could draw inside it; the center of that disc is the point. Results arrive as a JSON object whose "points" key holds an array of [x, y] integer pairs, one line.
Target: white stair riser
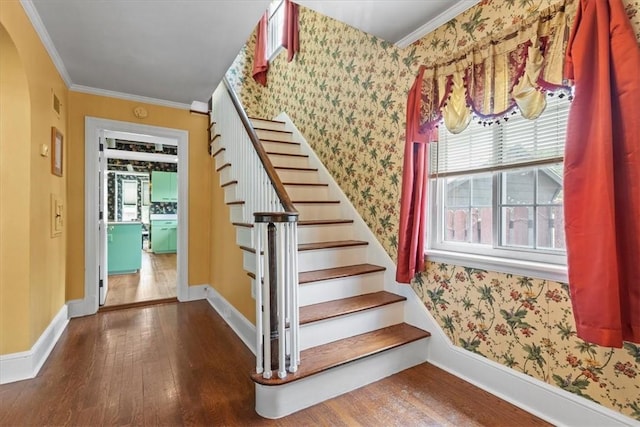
{"points": [[215, 146], [325, 233], [313, 192], [226, 175], [276, 402], [332, 257], [230, 193], [329, 290], [221, 159], [277, 136], [337, 328], [236, 213], [249, 261], [289, 161], [317, 259], [274, 147], [318, 211], [244, 236], [287, 175], [267, 124]]}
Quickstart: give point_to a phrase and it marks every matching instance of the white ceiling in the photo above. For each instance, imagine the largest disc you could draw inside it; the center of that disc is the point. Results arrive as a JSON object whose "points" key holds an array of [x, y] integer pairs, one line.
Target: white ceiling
{"points": [[174, 52]]}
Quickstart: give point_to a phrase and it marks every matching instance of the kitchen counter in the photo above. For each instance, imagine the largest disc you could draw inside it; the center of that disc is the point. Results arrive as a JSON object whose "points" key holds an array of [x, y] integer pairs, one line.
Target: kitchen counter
{"points": [[163, 217], [123, 222]]}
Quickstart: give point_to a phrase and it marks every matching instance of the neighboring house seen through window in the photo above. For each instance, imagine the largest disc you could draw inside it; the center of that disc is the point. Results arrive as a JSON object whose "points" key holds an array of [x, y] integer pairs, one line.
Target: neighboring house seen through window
{"points": [[496, 190]]}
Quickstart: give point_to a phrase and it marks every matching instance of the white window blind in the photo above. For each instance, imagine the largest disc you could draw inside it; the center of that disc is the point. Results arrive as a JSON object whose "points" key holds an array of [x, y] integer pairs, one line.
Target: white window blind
{"points": [[516, 142]]}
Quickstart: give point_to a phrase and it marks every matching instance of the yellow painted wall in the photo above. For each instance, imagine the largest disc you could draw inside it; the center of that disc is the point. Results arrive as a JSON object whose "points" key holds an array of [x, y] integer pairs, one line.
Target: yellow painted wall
{"points": [[14, 206], [227, 274], [32, 289], [82, 105]]}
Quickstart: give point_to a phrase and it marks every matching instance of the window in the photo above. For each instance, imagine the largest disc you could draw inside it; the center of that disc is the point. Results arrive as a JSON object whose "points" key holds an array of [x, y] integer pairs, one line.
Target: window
{"points": [[275, 27], [496, 190]]}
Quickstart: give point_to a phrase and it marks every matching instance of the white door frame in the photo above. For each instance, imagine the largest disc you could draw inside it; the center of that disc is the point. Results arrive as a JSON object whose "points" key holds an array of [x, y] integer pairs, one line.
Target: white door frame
{"points": [[93, 126]]}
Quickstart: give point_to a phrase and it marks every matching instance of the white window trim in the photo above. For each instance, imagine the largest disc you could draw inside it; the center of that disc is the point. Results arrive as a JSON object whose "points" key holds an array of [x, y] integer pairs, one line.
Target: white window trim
{"points": [[276, 9], [549, 265]]}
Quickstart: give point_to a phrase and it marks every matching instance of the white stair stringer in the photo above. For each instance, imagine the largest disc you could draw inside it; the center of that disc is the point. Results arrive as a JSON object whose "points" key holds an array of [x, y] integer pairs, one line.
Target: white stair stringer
{"points": [[279, 401]]}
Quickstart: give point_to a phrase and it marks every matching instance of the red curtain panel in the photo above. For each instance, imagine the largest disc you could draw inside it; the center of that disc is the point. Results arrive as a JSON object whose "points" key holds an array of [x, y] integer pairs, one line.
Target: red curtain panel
{"points": [[413, 201], [260, 62], [602, 174], [290, 32]]}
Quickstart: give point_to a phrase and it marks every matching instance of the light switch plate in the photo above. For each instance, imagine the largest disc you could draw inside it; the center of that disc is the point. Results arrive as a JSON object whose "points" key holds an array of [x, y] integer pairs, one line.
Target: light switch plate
{"points": [[57, 215]]}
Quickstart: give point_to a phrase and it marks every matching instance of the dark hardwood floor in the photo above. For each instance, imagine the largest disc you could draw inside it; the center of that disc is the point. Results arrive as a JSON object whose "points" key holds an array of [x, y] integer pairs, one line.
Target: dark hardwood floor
{"points": [[180, 364]]}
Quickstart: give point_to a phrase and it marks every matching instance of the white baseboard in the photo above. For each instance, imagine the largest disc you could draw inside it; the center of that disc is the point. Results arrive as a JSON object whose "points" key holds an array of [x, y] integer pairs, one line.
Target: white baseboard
{"points": [[26, 364], [196, 292], [546, 401], [80, 308], [240, 325]]}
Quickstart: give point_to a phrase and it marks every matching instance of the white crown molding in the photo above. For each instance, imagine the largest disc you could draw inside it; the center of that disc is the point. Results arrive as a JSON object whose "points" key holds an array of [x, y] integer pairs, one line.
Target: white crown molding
{"points": [[128, 97], [439, 20], [42, 32], [38, 25]]}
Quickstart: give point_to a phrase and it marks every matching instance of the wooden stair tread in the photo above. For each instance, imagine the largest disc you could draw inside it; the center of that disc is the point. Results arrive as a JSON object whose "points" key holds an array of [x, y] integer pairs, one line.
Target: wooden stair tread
{"points": [[226, 165], [295, 168], [330, 245], [315, 202], [337, 353], [235, 202], [324, 222], [272, 130], [309, 184], [242, 224], [271, 153], [319, 245], [278, 141], [226, 184], [220, 150], [341, 307], [337, 272], [267, 120]]}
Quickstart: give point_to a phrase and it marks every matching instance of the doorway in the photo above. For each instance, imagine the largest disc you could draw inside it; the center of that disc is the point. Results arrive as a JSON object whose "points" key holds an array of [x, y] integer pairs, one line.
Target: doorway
{"points": [[141, 205], [96, 262]]}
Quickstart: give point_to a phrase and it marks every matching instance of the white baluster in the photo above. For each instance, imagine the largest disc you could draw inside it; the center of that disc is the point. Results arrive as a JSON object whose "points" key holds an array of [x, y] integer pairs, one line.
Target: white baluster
{"points": [[280, 247], [257, 235], [266, 314]]}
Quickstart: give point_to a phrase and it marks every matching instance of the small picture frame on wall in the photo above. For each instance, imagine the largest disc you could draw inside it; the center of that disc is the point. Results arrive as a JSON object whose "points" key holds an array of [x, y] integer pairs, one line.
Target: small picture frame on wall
{"points": [[56, 151]]}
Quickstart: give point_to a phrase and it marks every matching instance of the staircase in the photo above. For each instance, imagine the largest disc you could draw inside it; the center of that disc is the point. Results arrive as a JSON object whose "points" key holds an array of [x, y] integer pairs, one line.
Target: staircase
{"points": [[352, 331]]}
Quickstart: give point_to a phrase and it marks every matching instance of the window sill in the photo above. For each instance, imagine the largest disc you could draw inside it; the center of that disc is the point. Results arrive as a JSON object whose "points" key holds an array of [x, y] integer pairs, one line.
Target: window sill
{"points": [[536, 270]]}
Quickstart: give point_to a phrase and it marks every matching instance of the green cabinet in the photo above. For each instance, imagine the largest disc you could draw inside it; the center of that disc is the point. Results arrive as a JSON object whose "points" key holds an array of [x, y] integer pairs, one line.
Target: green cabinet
{"points": [[164, 186], [164, 236], [124, 247]]}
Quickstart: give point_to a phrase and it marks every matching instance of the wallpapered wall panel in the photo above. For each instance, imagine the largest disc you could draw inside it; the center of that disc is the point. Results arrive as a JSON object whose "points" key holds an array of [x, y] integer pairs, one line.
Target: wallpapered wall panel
{"points": [[139, 166], [346, 92]]}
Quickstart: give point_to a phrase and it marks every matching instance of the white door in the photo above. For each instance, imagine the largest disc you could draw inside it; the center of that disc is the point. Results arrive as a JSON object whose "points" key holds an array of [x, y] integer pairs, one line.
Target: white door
{"points": [[103, 277]]}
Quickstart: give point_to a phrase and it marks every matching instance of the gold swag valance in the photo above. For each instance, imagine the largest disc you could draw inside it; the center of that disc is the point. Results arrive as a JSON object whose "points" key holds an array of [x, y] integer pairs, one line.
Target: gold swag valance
{"points": [[494, 77]]}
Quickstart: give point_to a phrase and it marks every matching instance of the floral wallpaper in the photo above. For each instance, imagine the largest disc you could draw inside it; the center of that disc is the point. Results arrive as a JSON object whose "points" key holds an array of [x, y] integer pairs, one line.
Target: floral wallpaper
{"points": [[138, 166], [346, 92]]}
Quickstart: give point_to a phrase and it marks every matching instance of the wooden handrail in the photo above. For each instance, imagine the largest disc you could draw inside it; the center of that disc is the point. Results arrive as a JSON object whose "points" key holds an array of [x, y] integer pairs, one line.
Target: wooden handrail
{"points": [[291, 214]]}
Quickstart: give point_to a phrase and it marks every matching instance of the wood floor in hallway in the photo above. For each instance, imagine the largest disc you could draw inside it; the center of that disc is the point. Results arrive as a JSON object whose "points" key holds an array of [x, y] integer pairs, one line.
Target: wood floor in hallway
{"points": [[180, 364], [155, 280]]}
